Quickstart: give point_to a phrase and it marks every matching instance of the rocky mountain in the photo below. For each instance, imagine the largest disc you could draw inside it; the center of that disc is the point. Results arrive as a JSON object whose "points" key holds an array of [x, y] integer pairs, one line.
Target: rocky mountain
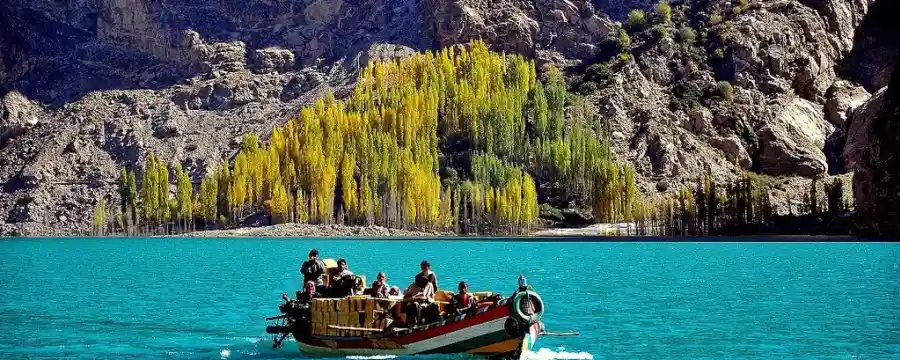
{"points": [[778, 87]]}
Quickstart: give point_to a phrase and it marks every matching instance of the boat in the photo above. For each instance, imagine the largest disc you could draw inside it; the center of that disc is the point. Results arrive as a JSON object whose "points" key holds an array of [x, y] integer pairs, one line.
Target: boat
{"points": [[498, 327]]}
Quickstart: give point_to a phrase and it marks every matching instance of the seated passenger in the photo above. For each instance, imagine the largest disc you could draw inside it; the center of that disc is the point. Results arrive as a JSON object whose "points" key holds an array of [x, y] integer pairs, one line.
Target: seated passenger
{"points": [[380, 288], [463, 301], [344, 282], [309, 293], [419, 303]]}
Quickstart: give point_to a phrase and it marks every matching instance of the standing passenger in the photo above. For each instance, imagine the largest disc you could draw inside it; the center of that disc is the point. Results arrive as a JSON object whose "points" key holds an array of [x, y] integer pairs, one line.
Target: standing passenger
{"points": [[428, 274], [313, 269]]}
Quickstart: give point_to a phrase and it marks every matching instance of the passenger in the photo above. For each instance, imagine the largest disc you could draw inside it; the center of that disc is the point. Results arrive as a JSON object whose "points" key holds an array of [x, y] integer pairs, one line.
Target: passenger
{"points": [[419, 302], [313, 269], [344, 282], [380, 288], [309, 293], [463, 301], [428, 274], [395, 291]]}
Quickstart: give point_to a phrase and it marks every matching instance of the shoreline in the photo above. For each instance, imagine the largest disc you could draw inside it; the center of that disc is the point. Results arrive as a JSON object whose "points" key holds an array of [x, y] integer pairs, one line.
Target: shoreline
{"points": [[617, 232]]}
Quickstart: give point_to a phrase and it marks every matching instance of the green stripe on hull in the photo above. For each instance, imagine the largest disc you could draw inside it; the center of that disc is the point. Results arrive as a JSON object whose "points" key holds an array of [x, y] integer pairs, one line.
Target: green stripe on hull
{"points": [[471, 344]]}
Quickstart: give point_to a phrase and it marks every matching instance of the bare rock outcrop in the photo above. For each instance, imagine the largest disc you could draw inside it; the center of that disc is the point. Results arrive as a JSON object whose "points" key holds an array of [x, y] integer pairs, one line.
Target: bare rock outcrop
{"points": [[734, 150], [861, 130], [17, 115], [801, 42], [843, 97], [793, 143]]}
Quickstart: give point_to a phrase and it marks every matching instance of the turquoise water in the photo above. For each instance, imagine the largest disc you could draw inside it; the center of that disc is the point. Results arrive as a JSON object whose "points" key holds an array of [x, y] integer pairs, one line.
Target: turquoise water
{"points": [[207, 298]]}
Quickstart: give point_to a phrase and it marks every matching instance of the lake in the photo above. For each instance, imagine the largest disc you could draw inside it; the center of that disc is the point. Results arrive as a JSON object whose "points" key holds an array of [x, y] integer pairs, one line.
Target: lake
{"points": [[208, 298]]}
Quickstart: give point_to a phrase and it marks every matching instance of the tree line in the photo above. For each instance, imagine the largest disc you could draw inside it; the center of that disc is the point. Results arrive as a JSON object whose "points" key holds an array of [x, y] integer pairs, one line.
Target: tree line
{"points": [[461, 139]]}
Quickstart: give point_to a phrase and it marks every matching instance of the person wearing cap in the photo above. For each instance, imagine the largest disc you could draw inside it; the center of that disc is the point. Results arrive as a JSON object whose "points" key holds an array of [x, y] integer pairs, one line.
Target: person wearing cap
{"points": [[428, 274], [313, 269], [462, 301]]}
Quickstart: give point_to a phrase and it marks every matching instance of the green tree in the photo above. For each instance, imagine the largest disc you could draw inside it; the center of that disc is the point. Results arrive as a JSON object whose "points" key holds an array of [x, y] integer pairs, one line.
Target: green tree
{"points": [[184, 197]]}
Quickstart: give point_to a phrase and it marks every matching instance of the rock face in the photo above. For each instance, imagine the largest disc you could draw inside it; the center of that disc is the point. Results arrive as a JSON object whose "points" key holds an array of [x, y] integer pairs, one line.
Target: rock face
{"points": [[872, 153], [793, 144], [91, 86], [862, 131], [545, 29], [843, 97]]}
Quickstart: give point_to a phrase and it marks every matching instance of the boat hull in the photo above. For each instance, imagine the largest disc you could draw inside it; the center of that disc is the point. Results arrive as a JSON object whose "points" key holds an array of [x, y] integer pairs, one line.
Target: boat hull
{"points": [[482, 334]]}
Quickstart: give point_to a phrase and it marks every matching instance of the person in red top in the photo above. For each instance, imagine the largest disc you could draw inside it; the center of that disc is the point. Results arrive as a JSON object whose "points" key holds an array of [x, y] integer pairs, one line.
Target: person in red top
{"points": [[462, 302]]}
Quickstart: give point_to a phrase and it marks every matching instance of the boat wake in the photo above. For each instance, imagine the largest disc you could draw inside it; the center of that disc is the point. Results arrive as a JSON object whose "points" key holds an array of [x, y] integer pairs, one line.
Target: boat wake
{"points": [[558, 354]]}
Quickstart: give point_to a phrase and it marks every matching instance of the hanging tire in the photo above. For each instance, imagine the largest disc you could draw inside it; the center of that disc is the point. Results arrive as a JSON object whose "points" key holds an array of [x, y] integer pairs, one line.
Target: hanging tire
{"points": [[513, 328], [528, 307]]}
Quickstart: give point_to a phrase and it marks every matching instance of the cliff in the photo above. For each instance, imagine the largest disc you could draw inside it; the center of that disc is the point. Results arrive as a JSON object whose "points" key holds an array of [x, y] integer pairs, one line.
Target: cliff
{"points": [[90, 86]]}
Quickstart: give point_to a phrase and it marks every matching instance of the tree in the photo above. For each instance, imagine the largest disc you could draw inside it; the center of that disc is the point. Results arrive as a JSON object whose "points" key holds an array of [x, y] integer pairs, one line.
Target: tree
{"points": [[209, 206], [279, 204], [184, 196], [100, 218]]}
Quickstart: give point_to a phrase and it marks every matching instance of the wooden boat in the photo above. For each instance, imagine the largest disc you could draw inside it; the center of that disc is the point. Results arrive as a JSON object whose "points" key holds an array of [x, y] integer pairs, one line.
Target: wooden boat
{"points": [[498, 327]]}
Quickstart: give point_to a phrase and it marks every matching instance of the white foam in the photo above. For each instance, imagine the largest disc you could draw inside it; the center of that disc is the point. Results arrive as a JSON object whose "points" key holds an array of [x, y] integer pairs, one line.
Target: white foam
{"points": [[373, 357], [225, 353], [547, 354]]}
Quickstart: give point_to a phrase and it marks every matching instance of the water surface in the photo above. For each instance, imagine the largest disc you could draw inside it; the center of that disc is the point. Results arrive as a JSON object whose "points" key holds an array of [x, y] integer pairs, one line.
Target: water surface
{"points": [[207, 298]]}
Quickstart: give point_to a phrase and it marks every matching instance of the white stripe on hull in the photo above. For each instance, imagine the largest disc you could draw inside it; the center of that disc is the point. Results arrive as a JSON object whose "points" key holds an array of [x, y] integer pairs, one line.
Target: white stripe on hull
{"points": [[416, 347]]}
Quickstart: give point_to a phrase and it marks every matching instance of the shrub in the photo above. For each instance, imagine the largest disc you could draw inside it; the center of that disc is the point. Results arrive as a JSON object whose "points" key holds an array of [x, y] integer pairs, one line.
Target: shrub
{"points": [[637, 19], [661, 31], [736, 11], [715, 19], [664, 11], [588, 87], [726, 90], [623, 40], [598, 72], [719, 53], [623, 57], [687, 35]]}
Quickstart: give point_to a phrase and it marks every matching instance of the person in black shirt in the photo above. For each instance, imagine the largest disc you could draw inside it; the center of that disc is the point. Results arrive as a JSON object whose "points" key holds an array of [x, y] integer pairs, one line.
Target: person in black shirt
{"points": [[313, 269], [428, 274], [344, 282]]}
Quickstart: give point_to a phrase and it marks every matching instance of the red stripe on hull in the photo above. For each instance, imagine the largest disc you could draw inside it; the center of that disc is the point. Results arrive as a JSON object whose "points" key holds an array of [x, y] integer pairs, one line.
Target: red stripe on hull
{"points": [[403, 340], [492, 314]]}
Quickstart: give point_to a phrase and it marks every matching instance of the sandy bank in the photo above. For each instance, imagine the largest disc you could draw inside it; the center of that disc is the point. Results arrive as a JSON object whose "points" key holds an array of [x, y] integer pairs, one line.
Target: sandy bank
{"points": [[291, 230]]}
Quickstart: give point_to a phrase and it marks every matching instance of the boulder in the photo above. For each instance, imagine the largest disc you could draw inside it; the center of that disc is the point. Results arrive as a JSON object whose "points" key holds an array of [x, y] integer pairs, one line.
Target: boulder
{"points": [[17, 115], [734, 150], [793, 142], [842, 97], [701, 120], [271, 60]]}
